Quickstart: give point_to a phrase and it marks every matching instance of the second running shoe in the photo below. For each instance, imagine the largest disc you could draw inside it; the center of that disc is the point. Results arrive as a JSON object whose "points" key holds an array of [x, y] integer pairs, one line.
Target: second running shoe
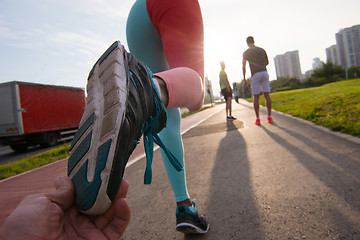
{"points": [[122, 105], [188, 220]]}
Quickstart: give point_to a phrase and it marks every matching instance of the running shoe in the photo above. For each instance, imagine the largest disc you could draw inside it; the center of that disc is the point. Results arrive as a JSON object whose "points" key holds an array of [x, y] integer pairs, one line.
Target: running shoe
{"points": [[188, 220], [270, 119], [257, 122], [230, 118], [122, 105]]}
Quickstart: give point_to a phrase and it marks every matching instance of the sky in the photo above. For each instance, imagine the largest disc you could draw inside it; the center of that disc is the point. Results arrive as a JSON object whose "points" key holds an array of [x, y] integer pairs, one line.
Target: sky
{"points": [[57, 42]]}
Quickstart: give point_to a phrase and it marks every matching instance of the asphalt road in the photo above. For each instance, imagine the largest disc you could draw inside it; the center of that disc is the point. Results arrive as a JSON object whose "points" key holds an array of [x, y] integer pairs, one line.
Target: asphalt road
{"points": [[286, 180]]}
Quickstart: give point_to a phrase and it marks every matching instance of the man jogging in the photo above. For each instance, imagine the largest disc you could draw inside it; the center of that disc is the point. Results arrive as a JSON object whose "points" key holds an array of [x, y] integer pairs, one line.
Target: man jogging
{"points": [[258, 61]]}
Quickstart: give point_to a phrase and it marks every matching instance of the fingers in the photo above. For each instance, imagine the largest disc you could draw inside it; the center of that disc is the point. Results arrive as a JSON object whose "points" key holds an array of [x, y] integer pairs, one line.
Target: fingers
{"points": [[119, 208], [117, 226], [123, 189], [64, 193]]}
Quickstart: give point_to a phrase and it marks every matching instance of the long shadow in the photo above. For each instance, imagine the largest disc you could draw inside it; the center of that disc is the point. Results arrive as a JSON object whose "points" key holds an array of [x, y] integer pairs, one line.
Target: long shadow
{"points": [[342, 176], [336, 170], [232, 210], [349, 164]]}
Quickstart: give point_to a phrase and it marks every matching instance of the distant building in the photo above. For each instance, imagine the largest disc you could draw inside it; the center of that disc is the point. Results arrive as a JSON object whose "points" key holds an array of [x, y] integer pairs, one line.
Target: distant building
{"points": [[317, 63], [288, 65], [348, 42], [332, 55]]}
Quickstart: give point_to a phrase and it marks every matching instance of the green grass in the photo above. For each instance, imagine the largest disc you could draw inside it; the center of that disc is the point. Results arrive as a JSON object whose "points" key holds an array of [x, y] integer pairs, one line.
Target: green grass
{"points": [[11, 169], [335, 105]]}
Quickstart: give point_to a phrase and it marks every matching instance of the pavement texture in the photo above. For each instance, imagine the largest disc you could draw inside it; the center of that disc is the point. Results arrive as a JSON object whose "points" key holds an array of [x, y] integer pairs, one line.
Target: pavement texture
{"points": [[285, 180]]}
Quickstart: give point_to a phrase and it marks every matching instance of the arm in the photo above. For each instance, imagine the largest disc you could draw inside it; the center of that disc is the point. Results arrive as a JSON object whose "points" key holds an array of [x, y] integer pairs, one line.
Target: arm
{"points": [[244, 67], [266, 59], [244, 70]]}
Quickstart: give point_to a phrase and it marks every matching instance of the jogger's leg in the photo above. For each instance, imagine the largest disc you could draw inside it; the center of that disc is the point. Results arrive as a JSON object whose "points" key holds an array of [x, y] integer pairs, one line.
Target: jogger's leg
{"points": [[172, 137], [268, 102], [256, 105]]}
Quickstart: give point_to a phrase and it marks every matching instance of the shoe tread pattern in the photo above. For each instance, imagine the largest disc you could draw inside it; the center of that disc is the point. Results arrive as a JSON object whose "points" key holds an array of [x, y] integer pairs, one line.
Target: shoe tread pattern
{"points": [[103, 79], [86, 191]]}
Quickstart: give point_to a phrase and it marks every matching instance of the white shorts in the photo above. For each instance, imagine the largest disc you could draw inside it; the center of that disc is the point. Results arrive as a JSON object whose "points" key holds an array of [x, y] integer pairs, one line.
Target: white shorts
{"points": [[260, 81]]}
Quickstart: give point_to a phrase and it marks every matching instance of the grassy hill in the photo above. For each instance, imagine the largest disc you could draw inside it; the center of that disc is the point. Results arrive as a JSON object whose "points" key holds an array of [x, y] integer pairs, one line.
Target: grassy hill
{"points": [[334, 105]]}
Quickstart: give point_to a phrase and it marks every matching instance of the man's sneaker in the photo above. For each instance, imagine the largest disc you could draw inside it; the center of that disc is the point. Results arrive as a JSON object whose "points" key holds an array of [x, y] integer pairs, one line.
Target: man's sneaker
{"points": [[122, 105], [230, 118], [188, 220], [257, 121], [270, 119]]}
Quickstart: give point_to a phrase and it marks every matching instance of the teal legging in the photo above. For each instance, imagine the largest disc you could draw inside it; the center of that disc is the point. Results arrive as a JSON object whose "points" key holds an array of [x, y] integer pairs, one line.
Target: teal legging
{"points": [[145, 43]]}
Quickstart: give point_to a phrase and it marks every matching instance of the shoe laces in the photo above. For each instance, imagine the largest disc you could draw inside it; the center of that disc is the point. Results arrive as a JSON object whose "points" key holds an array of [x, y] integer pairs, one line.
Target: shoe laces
{"points": [[151, 136]]}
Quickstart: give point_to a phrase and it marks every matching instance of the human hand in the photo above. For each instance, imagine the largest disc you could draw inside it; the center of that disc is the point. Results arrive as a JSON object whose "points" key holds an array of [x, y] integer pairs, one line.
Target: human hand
{"points": [[54, 216], [245, 83]]}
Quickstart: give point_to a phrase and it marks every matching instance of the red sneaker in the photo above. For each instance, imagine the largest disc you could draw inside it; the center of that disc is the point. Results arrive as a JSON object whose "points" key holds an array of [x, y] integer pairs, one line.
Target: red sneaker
{"points": [[257, 122], [270, 119]]}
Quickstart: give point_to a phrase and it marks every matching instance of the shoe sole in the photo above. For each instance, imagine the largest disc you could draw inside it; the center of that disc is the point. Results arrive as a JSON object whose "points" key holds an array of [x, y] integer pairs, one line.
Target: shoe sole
{"points": [[187, 229], [95, 145]]}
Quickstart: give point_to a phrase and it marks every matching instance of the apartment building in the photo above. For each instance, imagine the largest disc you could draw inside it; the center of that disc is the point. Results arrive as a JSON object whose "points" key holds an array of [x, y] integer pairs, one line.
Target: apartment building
{"points": [[332, 55], [348, 43], [288, 65]]}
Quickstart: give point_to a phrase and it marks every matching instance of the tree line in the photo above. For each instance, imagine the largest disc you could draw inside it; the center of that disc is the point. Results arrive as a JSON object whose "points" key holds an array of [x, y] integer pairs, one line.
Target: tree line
{"points": [[328, 73]]}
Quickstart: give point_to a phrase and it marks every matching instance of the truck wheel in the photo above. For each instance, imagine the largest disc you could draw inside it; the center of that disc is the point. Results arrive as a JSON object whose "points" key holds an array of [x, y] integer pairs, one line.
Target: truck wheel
{"points": [[19, 147], [50, 139]]}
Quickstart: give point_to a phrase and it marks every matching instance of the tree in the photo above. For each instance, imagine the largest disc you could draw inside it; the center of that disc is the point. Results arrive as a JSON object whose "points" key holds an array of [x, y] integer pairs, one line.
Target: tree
{"points": [[283, 84], [328, 73], [353, 72]]}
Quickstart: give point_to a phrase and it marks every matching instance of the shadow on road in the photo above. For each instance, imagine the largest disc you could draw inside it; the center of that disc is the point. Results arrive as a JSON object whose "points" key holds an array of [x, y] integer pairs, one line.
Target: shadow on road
{"points": [[332, 167], [232, 205]]}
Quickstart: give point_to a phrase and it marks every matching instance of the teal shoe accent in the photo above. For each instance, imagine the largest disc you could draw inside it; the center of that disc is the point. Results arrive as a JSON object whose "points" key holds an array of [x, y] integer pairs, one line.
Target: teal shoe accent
{"points": [[187, 209], [86, 191]]}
